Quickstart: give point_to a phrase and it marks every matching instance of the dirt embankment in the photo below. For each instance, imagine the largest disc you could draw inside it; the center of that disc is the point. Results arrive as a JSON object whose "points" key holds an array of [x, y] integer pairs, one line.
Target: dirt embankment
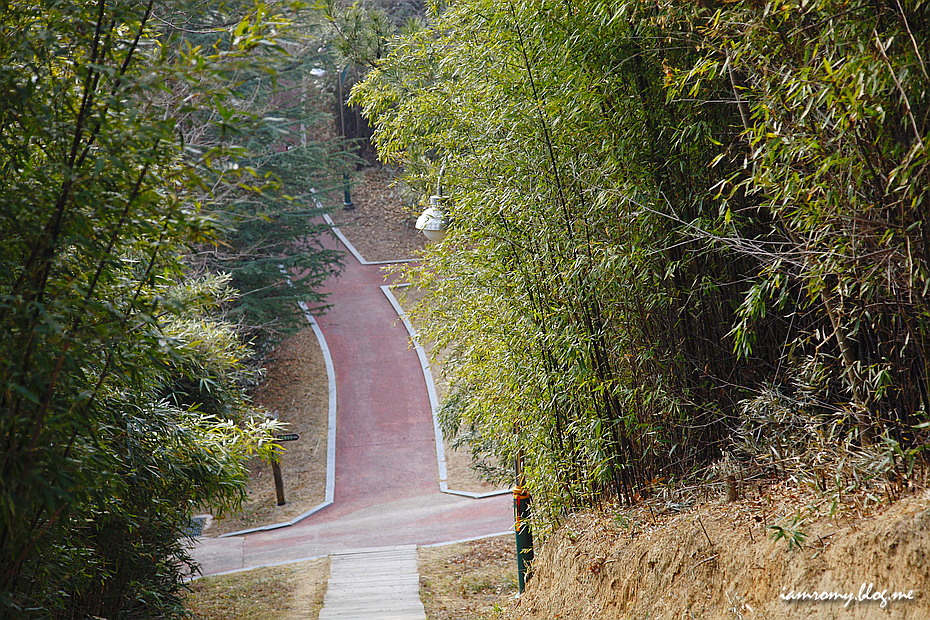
{"points": [[720, 561]]}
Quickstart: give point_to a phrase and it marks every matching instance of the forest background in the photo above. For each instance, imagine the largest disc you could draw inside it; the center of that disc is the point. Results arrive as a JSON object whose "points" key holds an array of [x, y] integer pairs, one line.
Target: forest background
{"points": [[161, 164]]}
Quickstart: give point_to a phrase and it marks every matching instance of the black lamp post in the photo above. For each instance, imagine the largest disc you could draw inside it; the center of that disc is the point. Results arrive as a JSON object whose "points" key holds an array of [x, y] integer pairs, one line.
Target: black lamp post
{"points": [[347, 199]]}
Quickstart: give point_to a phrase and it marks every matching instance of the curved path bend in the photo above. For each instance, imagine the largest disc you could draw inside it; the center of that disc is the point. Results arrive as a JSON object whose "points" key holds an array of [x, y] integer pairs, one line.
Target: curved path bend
{"points": [[386, 479]]}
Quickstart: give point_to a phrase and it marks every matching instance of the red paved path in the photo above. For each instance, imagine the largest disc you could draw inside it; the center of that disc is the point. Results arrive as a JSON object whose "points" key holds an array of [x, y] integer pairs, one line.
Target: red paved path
{"points": [[387, 483]]}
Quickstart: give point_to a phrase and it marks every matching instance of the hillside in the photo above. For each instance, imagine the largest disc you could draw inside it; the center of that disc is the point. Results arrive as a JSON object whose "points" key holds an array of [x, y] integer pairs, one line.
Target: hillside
{"points": [[720, 561]]}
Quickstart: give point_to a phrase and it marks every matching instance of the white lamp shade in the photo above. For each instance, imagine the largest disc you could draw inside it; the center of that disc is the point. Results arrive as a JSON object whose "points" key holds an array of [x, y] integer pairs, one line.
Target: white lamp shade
{"points": [[433, 222]]}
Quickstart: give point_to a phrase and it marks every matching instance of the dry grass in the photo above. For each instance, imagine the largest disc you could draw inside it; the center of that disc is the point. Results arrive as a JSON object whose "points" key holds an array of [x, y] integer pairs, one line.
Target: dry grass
{"points": [[720, 560], [289, 592], [468, 581]]}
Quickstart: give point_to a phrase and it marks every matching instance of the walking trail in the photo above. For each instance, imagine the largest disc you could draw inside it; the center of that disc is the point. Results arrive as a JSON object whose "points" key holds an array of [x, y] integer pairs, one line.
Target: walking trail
{"points": [[387, 492]]}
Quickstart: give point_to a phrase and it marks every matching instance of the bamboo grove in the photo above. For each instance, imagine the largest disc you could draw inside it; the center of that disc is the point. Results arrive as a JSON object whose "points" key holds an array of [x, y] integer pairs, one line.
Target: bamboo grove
{"points": [[140, 144], [683, 234]]}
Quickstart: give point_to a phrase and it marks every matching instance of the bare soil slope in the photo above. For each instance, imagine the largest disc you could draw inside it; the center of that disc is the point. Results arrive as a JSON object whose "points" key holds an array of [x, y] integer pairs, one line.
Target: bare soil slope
{"points": [[719, 561]]}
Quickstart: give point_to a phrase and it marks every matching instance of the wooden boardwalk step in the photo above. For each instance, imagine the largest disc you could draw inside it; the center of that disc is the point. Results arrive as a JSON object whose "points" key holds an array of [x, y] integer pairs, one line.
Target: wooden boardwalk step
{"points": [[374, 583]]}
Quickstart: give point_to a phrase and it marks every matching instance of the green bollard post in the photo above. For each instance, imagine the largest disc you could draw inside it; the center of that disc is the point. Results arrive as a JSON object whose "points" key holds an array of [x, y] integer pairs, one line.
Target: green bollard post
{"points": [[347, 199], [521, 509]]}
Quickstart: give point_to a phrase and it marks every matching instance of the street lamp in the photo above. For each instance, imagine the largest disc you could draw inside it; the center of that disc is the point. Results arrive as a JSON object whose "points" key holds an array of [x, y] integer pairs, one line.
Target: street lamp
{"points": [[433, 223]]}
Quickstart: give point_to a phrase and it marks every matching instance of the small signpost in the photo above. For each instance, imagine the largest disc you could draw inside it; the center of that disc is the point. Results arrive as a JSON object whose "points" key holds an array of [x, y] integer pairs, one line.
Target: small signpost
{"points": [[276, 468]]}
